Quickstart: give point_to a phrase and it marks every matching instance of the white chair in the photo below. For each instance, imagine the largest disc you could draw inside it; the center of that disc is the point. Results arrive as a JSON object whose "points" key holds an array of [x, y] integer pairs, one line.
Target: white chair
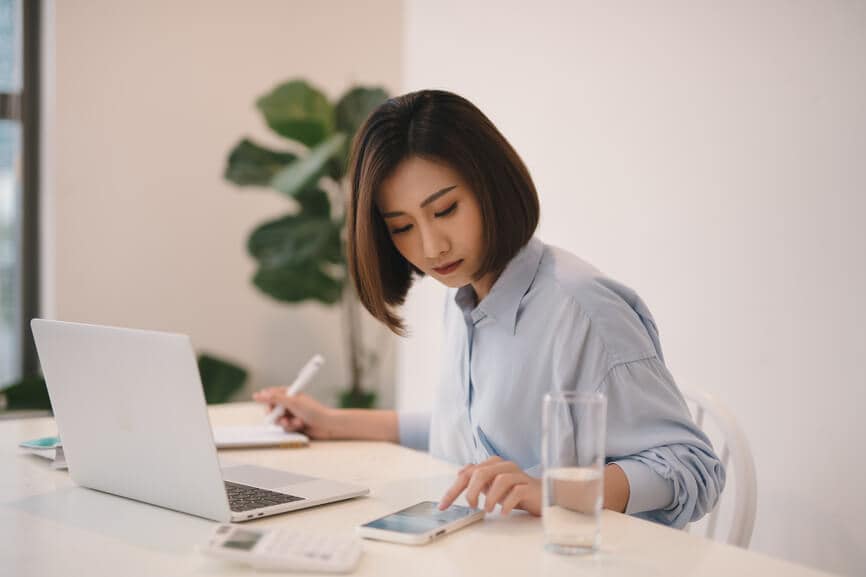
{"points": [[735, 450]]}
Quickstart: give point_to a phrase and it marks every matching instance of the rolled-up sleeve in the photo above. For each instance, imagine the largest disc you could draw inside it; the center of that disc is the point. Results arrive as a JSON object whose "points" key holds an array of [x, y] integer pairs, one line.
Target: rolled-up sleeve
{"points": [[648, 489], [414, 430], [674, 475]]}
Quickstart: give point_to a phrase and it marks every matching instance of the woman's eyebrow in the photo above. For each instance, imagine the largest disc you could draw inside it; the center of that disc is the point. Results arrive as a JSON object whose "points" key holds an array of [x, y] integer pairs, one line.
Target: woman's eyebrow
{"points": [[436, 195], [424, 203]]}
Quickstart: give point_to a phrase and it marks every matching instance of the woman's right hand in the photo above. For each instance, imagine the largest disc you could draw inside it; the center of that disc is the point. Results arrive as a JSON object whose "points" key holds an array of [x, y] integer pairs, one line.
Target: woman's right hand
{"points": [[303, 414]]}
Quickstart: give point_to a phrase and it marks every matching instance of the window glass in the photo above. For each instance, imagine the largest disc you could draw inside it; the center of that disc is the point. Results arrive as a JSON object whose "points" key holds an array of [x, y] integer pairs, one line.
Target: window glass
{"points": [[10, 191], [10, 46]]}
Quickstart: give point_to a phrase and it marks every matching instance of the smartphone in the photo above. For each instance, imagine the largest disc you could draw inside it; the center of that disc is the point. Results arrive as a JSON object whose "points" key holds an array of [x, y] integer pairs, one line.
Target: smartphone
{"points": [[419, 523]]}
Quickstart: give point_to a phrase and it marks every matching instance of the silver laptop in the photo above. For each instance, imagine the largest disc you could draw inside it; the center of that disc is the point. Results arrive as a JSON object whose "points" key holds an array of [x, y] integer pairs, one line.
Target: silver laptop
{"points": [[132, 417]]}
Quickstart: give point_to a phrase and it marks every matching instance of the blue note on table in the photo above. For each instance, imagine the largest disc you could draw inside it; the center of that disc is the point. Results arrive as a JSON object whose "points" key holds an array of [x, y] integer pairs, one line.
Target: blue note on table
{"points": [[41, 443], [48, 448]]}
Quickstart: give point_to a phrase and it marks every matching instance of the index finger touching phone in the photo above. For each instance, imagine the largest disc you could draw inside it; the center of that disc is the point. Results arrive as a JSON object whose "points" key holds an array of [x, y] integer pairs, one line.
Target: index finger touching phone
{"points": [[458, 487]]}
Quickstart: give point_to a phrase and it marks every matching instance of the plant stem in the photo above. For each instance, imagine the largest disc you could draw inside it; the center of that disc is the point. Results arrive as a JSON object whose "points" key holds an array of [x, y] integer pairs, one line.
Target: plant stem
{"points": [[353, 334]]}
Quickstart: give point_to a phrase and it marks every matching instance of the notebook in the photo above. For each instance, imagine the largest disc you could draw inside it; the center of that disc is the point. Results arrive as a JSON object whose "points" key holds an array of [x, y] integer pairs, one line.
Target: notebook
{"points": [[250, 436]]}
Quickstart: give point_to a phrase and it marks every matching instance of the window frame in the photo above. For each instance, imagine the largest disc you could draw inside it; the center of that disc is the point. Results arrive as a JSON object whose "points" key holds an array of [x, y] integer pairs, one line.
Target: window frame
{"points": [[24, 107]]}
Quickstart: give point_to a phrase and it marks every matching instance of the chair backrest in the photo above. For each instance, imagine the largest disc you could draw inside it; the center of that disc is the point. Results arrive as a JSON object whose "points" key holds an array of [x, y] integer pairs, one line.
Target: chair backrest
{"points": [[734, 450]]}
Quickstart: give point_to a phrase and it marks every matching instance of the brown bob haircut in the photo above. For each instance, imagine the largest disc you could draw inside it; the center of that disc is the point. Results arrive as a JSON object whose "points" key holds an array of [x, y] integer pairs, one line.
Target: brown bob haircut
{"points": [[445, 128]]}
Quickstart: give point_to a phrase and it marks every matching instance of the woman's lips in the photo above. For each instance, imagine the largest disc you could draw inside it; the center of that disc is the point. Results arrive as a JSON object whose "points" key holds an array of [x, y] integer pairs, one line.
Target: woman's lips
{"points": [[448, 268]]}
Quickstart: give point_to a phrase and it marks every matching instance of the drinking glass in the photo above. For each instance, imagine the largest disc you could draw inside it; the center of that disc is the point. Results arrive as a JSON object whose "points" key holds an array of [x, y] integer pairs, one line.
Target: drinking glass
{"points": [[573, 453]]}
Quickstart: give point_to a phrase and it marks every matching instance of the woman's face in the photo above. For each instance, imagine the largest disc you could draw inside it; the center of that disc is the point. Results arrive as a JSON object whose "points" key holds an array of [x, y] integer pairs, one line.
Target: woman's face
{"points": [[434, 220]]}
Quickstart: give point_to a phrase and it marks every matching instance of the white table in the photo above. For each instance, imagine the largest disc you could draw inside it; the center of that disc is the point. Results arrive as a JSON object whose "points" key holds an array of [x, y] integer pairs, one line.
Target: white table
{"points": [[50, 527]]}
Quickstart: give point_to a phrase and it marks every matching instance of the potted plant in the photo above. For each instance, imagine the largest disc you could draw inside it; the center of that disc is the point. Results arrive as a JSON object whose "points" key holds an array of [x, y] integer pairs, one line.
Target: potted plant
{"points": [[300, 256]]}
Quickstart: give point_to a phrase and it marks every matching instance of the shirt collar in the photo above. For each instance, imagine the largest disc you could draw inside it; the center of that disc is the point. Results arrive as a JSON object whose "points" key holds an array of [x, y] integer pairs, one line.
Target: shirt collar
{"points": [[503, 301]]}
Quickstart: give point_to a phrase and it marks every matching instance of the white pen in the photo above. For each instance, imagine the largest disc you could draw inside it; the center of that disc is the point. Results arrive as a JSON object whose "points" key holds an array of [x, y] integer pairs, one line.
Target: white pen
{"points": [[304, 376]]}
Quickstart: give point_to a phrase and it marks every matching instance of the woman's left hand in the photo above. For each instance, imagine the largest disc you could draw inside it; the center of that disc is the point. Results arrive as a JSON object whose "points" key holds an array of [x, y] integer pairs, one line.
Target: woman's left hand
{"points": [[501, 482]]}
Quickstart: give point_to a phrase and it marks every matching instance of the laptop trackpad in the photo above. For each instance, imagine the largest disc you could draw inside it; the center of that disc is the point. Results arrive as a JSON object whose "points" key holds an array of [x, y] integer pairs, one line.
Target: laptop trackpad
{"points": [[262, 476]]}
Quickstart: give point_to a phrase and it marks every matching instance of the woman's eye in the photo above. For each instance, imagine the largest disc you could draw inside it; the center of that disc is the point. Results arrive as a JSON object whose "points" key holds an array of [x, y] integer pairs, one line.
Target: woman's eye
{"points": [[447, 211], [400, 230]]}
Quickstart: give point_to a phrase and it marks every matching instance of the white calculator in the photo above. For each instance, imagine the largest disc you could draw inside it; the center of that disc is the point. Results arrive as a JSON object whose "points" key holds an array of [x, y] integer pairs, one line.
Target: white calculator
{"points": [[285, 549]]}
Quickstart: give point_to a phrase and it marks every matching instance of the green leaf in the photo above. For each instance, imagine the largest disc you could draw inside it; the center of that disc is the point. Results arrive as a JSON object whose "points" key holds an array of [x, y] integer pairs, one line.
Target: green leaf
{"points": [[356, 105], [333, 250], [293, 240], [305, 172], [336, 167], [28, 393], [299, 283], [314, 202], [292, 252], [220, 378], [298, 111], [351, 112], [353, 399], [252, 165]]}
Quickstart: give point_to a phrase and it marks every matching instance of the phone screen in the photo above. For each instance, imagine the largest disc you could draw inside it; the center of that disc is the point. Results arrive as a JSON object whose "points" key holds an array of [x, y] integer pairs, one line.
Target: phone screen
{"points": [[420, 518]]}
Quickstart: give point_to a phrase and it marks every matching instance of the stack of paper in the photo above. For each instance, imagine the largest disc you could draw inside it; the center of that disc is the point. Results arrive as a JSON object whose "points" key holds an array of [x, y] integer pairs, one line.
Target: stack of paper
{"points": [[257, 436], [47, 448]]}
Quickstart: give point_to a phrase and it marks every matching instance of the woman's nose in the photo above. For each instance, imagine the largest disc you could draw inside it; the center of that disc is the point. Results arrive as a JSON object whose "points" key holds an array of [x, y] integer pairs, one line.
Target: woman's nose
{"points": [[435, 244]]}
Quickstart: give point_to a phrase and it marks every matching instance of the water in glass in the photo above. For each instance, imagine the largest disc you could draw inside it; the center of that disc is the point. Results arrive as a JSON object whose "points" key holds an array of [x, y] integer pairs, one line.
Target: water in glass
{"points": [[572, 505]]}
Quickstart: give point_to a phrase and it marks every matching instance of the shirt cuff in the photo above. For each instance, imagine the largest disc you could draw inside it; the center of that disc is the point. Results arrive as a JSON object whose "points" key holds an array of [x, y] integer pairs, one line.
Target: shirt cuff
{"points": [[648, 491], [414, 430]]}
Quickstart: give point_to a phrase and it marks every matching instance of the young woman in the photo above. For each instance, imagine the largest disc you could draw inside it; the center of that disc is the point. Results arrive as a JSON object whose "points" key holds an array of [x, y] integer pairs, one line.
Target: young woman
{"points": [[437, 190]]}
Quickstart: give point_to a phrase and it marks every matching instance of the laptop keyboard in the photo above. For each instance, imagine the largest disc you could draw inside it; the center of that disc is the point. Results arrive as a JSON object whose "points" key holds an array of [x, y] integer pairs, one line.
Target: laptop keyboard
{"points": [[246, 498]]}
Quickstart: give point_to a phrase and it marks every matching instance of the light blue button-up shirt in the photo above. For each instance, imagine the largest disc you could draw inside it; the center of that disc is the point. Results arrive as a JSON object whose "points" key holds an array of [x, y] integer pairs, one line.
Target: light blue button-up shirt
{"points": [[552, 322]]}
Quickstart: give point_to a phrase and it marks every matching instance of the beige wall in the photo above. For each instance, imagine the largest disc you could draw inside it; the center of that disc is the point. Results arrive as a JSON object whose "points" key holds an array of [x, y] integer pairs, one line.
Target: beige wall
{"points": [[710, 155], [150, 97]]}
